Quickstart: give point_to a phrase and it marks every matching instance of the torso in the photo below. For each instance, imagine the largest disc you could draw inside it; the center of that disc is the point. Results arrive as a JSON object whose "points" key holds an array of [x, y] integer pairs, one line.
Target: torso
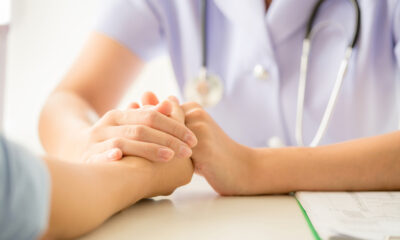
{"points": [[253, 110]]}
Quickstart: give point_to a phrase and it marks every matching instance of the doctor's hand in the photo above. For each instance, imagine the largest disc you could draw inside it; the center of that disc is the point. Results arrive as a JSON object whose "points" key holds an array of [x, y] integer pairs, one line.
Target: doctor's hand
{"points": [[223, 162], [149, 132]]}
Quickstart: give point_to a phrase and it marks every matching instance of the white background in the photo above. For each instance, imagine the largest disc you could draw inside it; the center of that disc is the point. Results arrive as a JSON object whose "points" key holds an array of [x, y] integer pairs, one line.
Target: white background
{"points": [[4, 11], [44, 40]]}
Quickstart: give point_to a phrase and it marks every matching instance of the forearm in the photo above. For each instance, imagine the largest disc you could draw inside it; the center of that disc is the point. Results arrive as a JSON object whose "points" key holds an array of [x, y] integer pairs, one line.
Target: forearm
{"points": [[363, 164], [64, 116], [94, 84], [85, 195]]}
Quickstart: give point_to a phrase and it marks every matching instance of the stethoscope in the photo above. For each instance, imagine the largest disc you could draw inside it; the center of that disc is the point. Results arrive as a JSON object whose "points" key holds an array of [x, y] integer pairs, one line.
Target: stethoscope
{"points": [[207, 88]]}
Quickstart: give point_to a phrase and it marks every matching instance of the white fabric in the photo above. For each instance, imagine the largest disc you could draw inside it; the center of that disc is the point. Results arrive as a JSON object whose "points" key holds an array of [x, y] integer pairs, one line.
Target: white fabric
{"points": [[241, 35]]}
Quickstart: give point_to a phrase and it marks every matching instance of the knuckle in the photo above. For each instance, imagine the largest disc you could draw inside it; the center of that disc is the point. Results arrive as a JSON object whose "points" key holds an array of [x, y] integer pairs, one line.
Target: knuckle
{"points": [[130, 132], [150, 117], [116, 142], [177, 129], [197, 114], [113, 114], [169, 142], [135, 132], [198, 127]]}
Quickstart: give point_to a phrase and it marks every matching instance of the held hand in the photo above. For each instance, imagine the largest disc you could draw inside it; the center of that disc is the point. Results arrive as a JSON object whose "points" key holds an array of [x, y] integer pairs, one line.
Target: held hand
{"points": [[147, 132], [164, 177], [223, 162]]}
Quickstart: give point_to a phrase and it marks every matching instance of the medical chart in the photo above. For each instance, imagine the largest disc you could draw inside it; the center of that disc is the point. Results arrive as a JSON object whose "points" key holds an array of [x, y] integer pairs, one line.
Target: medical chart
{"points": [[353, 215]]}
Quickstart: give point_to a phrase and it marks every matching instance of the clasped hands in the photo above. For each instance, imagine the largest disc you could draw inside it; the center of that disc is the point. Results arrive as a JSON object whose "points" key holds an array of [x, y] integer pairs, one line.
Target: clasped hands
{"points": [[173, 141]]}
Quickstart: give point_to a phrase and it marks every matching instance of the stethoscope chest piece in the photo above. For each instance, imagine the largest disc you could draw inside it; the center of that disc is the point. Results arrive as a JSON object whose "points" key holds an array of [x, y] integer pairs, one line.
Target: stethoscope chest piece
{"points": [[206, 89]]}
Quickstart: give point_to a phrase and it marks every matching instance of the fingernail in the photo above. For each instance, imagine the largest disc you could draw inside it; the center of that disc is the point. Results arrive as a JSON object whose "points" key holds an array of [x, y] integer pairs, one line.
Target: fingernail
{"points": [[190, 139], [113, 154], [165, 154], [184, 152]]}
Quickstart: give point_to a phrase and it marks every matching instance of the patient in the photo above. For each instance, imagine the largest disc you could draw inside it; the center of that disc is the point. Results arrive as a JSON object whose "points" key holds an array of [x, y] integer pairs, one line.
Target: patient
{"points": [[61, 199]]}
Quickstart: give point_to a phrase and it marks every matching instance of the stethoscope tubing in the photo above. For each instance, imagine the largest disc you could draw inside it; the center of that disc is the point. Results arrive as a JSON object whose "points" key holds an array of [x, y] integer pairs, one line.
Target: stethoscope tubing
{"points": [[204, 76], [338, 82]]}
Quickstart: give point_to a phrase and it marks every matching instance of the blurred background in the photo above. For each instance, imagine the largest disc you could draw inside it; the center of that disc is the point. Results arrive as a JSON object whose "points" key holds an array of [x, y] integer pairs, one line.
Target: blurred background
{"points": [[45, 37]]}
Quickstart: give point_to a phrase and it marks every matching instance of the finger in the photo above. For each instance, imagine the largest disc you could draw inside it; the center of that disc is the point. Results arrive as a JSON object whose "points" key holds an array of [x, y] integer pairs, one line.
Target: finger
{"points": [[156, 120], [165, 107], [190, 106], [150, 135], [150, 151], [177, 112], [134, 105], [113, 154], [149, 98]]}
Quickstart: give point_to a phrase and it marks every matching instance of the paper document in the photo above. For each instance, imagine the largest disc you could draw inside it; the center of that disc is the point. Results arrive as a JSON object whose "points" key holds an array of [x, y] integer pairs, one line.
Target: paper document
{"points": [[353, 215]]}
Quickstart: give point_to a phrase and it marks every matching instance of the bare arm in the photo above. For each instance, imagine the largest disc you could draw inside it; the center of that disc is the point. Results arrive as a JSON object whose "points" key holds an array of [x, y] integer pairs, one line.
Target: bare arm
{"points": [[364, 164], [94, 85], [85, 195], [233, 169], [69, 127]]}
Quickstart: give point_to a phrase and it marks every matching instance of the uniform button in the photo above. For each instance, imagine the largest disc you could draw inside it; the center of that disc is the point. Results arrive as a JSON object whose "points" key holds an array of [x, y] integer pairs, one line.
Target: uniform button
{"points": [[275, 142], [260, 72]]}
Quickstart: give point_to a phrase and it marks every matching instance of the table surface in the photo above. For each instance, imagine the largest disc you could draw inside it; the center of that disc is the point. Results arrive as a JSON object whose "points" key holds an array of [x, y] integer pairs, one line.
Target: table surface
{"points": [[195, 211]]}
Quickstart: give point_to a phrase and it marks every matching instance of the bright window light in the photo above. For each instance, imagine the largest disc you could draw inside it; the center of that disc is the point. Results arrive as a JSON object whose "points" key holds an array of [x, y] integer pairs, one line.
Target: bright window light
{"points": [[5, 10]]}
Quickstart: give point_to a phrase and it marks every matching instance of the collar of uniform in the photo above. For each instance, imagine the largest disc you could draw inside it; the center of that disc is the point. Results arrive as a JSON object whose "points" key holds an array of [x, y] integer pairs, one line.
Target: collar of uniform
{"points": [[286, 16]]}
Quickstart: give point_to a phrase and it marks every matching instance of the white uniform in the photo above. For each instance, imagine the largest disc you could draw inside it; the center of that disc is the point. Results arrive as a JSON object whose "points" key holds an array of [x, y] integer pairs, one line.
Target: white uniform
{"points": [[241, 35]]}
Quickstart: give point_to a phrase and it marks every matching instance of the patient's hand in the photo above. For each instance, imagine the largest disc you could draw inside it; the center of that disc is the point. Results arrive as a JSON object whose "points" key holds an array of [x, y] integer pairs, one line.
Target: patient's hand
{"points": [[164, 177], [223, 162], [148, 132]]}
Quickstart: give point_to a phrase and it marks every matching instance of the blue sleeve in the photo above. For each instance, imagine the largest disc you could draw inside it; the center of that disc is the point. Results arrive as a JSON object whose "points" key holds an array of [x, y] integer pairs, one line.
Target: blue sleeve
{"points": [[134, 24], [24, 193]]}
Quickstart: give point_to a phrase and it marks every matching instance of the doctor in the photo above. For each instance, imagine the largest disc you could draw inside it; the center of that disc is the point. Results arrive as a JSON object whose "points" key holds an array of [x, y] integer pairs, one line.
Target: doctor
{"points": [[341, 98]]}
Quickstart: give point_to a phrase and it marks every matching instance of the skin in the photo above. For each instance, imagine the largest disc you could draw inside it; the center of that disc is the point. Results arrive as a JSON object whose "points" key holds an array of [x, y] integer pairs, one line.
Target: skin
{"points": [[96, 83], [233, 169], [79, 120], [84, 195]]}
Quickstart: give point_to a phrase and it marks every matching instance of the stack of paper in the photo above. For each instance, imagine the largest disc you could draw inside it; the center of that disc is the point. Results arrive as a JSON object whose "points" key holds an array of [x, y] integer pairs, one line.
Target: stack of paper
{"points": [[353, 215]]}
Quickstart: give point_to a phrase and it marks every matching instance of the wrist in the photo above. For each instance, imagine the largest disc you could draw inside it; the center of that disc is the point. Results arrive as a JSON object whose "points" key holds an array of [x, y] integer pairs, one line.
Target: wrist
{"points": [[253, 171], [246, 167], [264, 171], [138, 176]]}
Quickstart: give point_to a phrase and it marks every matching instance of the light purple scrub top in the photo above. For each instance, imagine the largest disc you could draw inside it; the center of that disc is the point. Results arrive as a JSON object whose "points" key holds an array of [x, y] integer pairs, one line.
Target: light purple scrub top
{"points": [[242, 35]]}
